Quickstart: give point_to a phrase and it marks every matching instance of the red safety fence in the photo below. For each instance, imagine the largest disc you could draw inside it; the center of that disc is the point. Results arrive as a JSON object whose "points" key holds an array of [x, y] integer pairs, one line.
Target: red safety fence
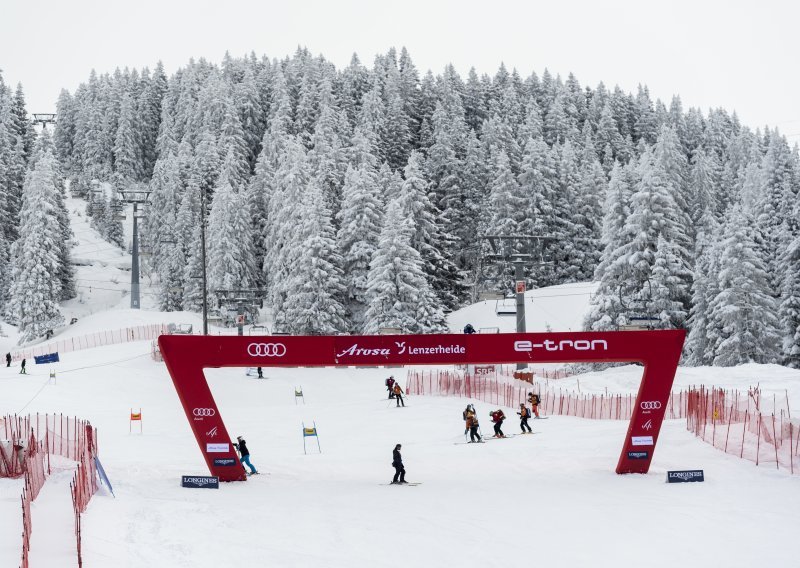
{"points": [[506, 391], [745, 425], [84, 484], [48, 435], [99, 339], [34, 466], [734, 422]]}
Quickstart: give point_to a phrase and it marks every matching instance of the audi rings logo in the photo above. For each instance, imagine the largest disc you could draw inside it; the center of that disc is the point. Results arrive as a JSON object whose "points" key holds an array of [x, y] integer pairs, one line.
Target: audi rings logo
{"points": [[204, 412], [650, 405], [266, 349]]}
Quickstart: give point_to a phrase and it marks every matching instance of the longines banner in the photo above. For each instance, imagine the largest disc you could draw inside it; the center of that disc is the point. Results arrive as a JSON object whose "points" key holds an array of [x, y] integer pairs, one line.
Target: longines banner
{"points": [[187, 356]]}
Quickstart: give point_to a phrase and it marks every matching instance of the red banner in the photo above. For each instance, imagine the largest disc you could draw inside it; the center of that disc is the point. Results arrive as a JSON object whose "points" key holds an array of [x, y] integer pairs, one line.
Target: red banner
{"points": [[187, 356]]}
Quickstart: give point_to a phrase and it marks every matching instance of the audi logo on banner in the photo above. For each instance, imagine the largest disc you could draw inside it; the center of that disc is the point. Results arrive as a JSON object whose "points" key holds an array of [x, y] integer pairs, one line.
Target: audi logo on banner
{"points": [[266, 350], [201, 412], [650, 405]]}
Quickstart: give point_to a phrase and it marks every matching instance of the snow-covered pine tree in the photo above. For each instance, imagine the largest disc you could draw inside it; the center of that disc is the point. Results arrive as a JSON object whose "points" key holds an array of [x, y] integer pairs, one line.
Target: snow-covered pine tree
{"points": [[744, 310], [666, 287], [606, 309], [112, 223], [231, 259], [538, 180], [35, 287], [127, 150], [359, 228], [397, 289], [315, 304], [700, 343], [429, 239]]}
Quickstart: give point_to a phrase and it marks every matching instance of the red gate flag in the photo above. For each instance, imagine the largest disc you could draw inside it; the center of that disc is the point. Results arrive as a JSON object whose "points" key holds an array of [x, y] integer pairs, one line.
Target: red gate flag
{"points": [[186, 356]]}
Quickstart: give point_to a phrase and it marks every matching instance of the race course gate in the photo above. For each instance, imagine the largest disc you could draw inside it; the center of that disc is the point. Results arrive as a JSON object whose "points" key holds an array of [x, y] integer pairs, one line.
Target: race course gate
{"points": [[186, 356]]}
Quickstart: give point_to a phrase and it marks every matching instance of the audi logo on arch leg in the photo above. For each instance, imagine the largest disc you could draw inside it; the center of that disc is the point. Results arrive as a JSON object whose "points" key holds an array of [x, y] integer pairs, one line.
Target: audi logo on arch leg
{"points": [[204, 412], [266, 350], [650, 405]]}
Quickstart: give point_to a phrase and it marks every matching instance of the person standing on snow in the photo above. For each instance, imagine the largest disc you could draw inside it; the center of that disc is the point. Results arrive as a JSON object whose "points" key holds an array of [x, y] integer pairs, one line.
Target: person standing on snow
{"points": [[397, 463], [524, 414], [22, 370], [534, 400], [398, 394], [468, 329], [472, 424], [245, 459], [390, 386], [497, 418], [8, 359]]}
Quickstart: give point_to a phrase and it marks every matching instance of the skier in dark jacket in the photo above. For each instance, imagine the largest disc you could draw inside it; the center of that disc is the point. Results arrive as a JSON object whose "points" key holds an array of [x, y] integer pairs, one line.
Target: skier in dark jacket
{"points": [[397, 463], [390, 386], [468, 329], [8, 359], [242, 447], [22, 370], [524, 414]]}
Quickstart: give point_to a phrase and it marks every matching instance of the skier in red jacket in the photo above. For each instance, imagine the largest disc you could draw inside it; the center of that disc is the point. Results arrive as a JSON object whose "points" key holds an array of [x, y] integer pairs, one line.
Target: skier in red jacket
{"points": [[497, 418]]}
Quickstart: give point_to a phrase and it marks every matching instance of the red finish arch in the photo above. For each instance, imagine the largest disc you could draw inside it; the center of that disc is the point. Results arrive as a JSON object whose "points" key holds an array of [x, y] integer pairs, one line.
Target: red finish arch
{"points": [[187, 356]]}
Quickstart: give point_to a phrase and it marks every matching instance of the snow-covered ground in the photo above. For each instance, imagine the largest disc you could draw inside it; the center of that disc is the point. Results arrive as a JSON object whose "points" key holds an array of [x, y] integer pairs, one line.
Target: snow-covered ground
{"points": [[550, 499]]}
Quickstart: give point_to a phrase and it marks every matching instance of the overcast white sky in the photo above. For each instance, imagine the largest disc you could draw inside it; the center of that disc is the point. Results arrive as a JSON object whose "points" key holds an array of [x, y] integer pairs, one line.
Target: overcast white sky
{"points": [[737, 55]]}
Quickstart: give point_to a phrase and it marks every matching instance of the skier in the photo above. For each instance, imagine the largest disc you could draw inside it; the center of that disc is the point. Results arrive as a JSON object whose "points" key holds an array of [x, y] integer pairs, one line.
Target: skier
{"points": [[464, 414], [497, 418], [398, 395], [472, 424], [8, 359], [397, 463], [389, 384], [524, 414], [533, 399], [22, 370], [468, 329], [245, 459], [260, 373]]}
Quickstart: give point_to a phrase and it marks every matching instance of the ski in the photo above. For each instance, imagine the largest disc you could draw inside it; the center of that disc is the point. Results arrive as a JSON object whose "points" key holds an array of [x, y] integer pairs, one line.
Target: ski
{"points": [[503, 438], [460, 443], [408, 483]]}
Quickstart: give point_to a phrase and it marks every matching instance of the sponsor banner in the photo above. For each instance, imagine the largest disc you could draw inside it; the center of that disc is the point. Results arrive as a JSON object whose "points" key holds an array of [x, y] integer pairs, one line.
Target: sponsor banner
{"points": [[484, 370], [685, 476], [642, 440], [637, 455], [200, 481], [49, 358], [218, 448], [225, 462], [411, 349]]}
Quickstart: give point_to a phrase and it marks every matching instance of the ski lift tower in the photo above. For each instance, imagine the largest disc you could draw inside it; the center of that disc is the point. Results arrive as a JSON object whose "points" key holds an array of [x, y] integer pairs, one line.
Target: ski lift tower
{"points": [[135, 194], [519, 251], [239, 298]]}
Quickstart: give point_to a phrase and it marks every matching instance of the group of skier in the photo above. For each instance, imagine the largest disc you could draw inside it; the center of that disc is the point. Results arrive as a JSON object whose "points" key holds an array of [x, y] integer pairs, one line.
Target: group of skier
{"points": [[472, 425], [395, 392], [22, 370]]}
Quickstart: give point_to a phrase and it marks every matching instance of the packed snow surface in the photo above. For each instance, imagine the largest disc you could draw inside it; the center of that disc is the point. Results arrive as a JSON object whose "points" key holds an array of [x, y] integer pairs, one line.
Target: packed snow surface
{"points": [[551, 498]]}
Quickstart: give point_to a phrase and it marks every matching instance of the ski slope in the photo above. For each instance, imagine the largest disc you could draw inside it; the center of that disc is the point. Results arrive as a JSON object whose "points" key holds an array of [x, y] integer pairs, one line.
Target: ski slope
{"points": [[550, 499], [552, 496]]}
